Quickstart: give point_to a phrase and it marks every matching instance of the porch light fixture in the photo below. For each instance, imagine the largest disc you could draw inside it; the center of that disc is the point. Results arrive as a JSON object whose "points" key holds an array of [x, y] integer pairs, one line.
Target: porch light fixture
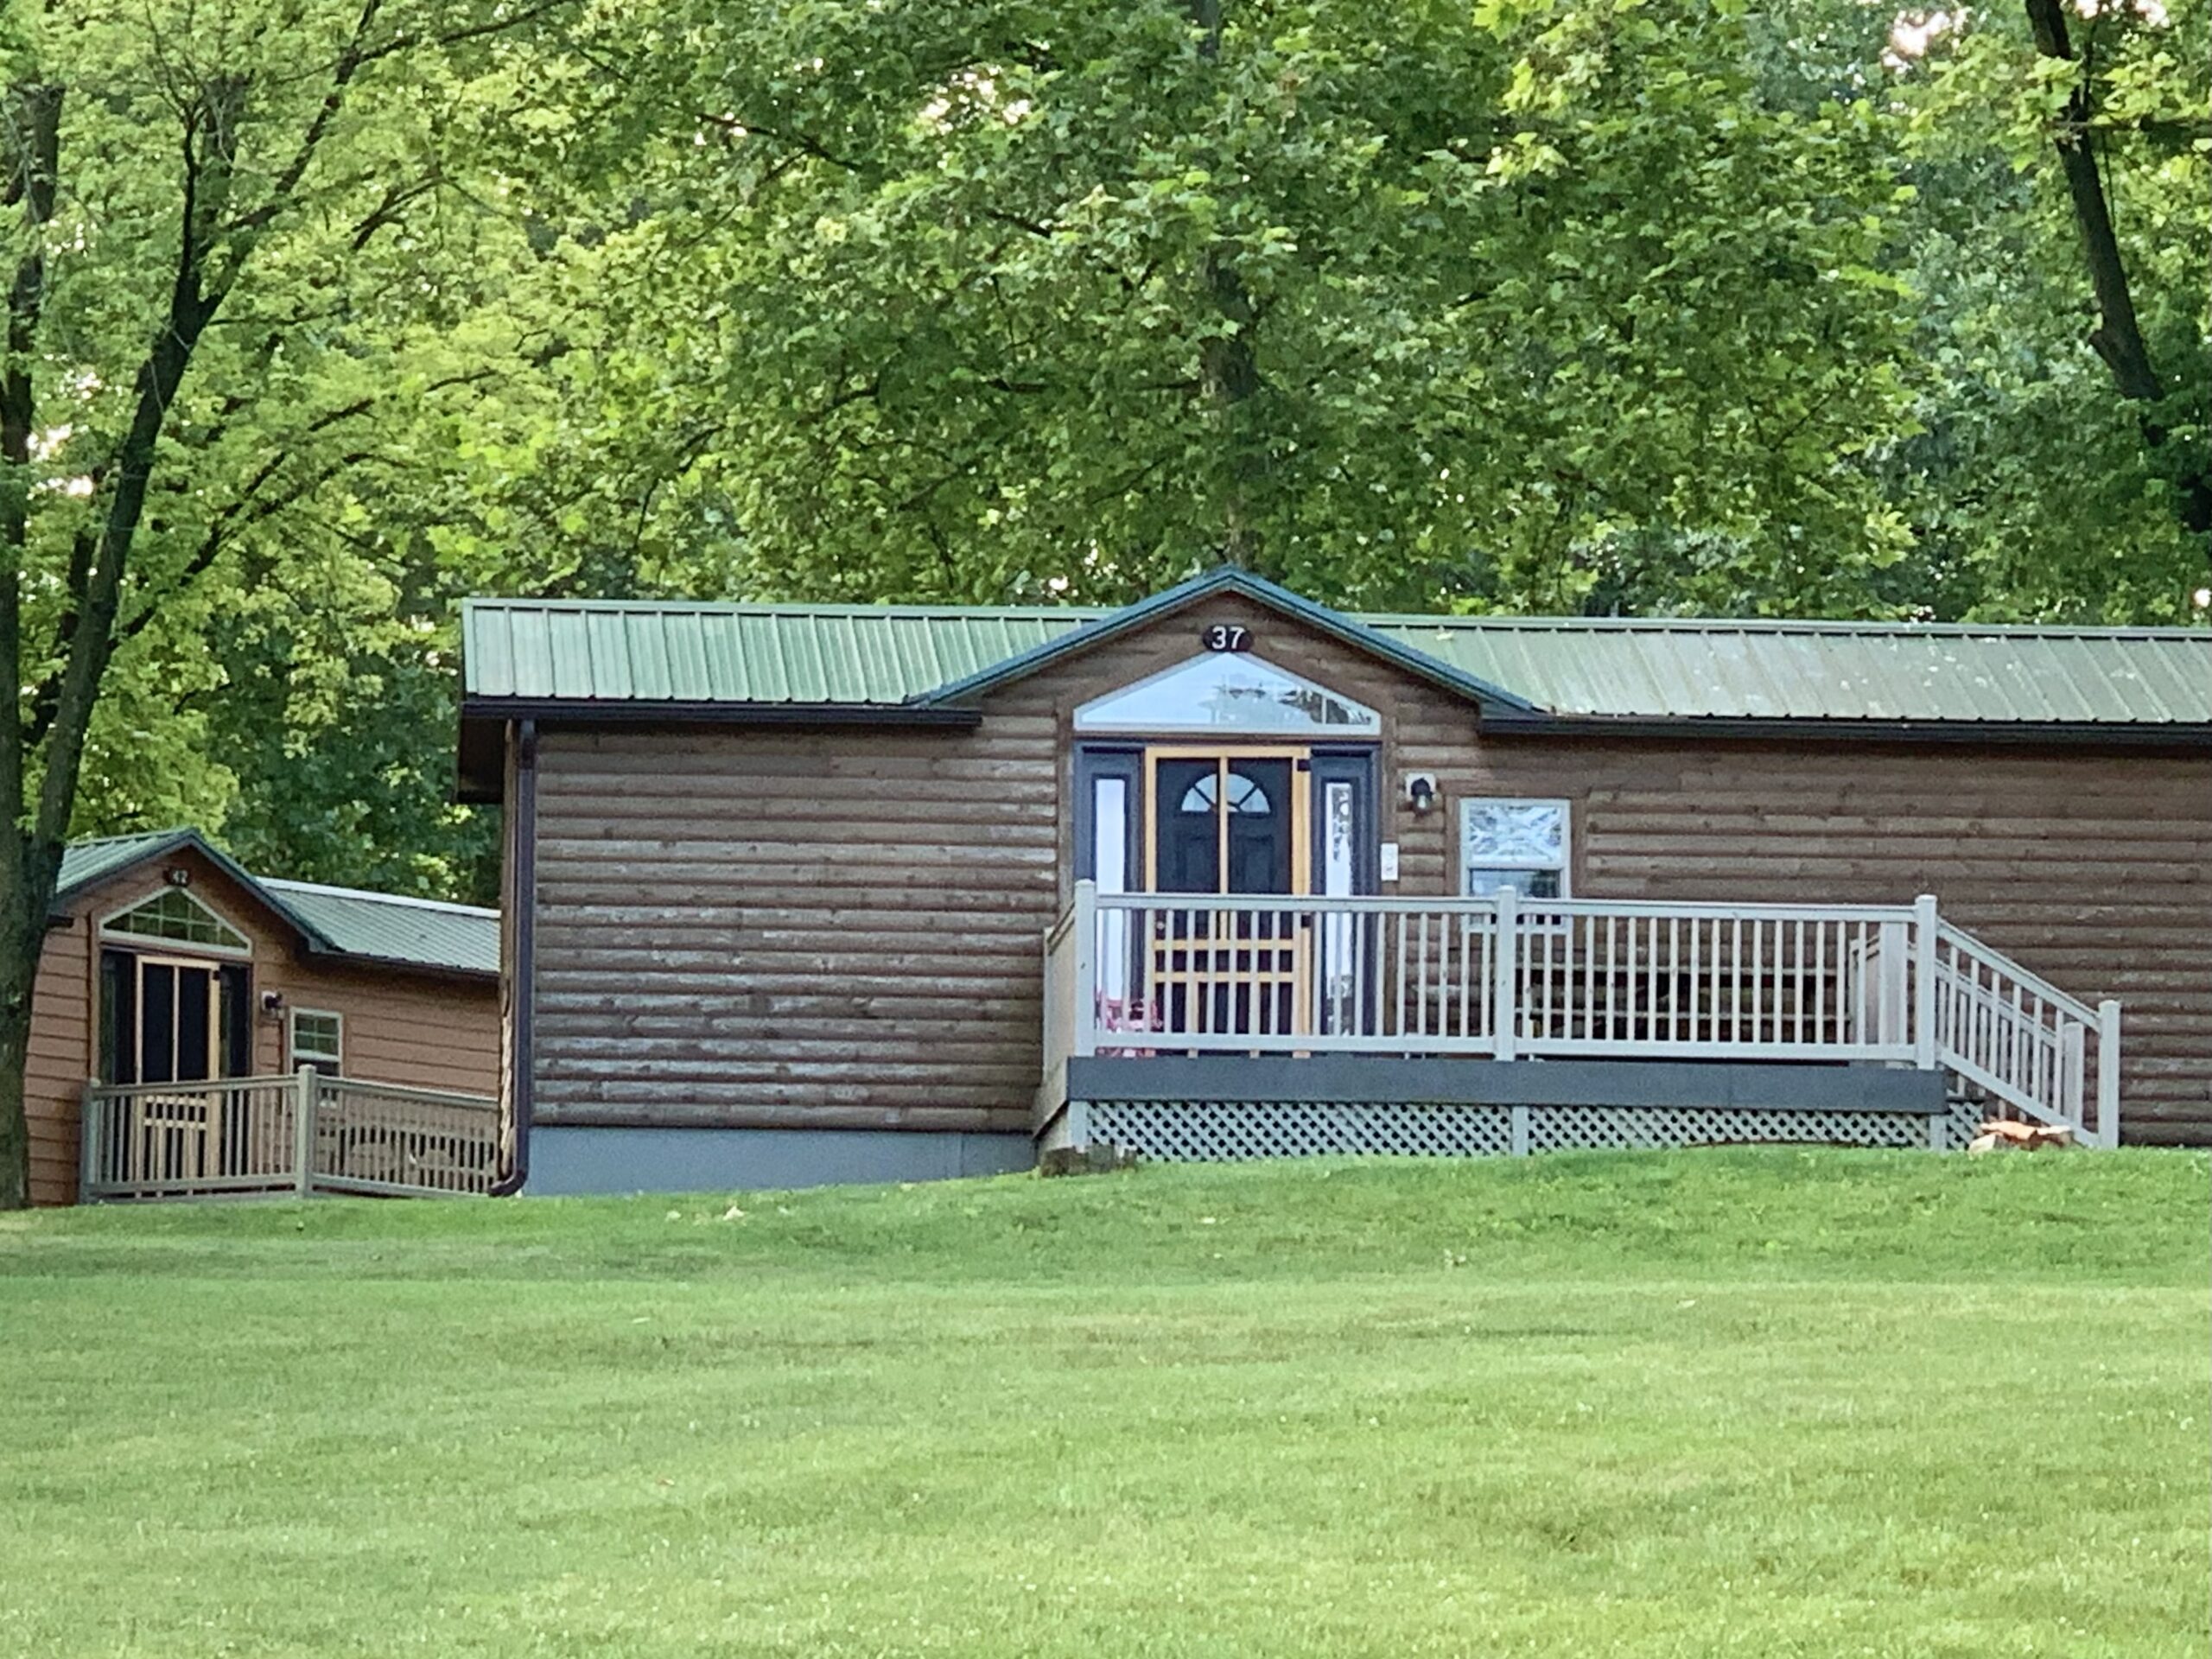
{"points": [[177, 876], [1420, 793]]}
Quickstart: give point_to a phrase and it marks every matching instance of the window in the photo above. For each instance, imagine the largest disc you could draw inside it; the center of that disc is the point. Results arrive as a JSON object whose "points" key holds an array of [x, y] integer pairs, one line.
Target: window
{"points": [[1519, 845], [174, 915], [1228, 691], [319, 1040], [1244, 795]]}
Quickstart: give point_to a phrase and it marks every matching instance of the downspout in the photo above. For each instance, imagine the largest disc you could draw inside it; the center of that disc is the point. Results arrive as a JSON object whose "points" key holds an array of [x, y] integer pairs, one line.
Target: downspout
{"points": [[521, 1066]]}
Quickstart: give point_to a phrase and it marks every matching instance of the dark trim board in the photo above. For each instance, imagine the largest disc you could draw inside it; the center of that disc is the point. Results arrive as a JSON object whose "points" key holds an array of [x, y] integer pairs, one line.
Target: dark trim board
{"points": [[1384, 1079], [521, 1061], [670, 711], [2112, 735]]}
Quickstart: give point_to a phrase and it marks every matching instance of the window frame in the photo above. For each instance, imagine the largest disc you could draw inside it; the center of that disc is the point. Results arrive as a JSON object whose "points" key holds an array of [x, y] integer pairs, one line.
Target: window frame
{"points": [[295, 1059], [160, 942], [1096, 716], [1565, 866]]}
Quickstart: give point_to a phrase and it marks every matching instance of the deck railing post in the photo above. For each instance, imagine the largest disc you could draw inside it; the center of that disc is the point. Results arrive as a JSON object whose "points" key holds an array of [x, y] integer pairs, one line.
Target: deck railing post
{"points": [[1507, 1017], [1085, 987], [2109, 1073], [2073, 1042], [88, 1141], [303, 1093], [1924, 981], [1890, 970]]}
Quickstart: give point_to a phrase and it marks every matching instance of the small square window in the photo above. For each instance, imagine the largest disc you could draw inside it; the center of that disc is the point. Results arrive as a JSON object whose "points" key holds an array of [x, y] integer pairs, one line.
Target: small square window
{"points": [[319, 1040], [1524, 845]]}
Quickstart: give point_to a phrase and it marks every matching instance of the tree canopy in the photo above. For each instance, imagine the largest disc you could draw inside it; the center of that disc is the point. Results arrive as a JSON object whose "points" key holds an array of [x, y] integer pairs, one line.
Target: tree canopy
{"points": [[1666, 305]]}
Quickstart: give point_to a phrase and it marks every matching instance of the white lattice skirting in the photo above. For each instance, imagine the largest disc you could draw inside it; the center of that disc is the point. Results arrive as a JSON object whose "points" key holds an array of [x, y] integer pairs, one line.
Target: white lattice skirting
{"points": [[1211, 1131]]}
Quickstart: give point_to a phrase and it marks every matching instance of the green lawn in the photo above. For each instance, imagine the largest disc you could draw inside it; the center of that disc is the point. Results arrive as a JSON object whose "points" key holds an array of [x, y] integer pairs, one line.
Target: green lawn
{"points": [[1766, 1403]]}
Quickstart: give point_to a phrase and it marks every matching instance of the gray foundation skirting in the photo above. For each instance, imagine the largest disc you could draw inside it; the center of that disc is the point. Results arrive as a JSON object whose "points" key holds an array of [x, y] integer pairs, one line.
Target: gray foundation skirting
{"points": [[571, 1160]]}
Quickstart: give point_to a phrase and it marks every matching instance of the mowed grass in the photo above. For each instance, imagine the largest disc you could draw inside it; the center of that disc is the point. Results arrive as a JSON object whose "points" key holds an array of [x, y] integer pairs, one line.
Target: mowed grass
{"points": [[1766, 1402]]}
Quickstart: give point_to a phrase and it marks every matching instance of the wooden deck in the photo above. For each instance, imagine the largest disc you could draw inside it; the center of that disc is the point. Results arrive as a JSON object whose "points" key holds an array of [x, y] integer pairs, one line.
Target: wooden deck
{"points": [[302, 1134], [1510, 979]]}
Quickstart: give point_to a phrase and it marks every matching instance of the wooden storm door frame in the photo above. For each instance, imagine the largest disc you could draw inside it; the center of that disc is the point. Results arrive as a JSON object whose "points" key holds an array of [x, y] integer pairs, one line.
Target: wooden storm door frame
{"points": [[211, 973], [184, 1130], [1339, 853], [1249, 973]]}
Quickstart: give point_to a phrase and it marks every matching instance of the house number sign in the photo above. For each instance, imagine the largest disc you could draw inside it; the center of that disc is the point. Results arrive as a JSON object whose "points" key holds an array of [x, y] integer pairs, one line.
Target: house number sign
{"points": [[1226, 635]]}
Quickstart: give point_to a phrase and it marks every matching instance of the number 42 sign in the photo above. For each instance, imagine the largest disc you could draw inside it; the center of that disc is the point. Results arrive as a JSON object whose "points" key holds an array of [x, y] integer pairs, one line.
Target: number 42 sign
{"points": [[1226, 635]]}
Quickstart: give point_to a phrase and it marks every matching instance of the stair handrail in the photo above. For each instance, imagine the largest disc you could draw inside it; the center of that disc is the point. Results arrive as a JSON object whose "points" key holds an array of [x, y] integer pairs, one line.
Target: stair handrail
{"points": [[2092, 1111]]}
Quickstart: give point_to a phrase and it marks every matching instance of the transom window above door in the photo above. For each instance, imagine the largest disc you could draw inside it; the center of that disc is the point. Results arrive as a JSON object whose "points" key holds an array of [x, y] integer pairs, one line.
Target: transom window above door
{"points": [[175, 916], [1228, 692]]}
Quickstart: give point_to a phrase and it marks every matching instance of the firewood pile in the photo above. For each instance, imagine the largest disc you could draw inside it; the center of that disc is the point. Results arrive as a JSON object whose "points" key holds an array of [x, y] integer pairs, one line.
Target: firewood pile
{"points": [[2004, 1135]]}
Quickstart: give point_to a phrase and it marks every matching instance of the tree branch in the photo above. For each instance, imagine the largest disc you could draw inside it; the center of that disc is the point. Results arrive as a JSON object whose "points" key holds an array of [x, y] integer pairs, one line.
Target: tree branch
{"points": [[34, 165], [2118, 338]]}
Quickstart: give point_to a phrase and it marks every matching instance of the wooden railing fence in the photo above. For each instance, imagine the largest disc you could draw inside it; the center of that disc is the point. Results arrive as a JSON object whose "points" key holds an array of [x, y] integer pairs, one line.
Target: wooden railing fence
{"points": [[1509, 977], [303, 1133]]}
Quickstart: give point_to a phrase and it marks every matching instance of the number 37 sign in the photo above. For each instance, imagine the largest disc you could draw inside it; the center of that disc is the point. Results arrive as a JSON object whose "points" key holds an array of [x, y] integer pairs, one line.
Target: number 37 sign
{"points": [[1226, 635]]}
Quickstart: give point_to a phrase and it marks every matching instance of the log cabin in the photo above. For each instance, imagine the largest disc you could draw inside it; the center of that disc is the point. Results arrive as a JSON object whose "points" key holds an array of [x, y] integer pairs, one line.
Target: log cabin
{"points": [[183, 1008], [844, 893]]}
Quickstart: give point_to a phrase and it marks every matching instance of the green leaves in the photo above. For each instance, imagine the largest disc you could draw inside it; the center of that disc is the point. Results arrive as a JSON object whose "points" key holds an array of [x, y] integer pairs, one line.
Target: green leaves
{"points": [[991, 302]]}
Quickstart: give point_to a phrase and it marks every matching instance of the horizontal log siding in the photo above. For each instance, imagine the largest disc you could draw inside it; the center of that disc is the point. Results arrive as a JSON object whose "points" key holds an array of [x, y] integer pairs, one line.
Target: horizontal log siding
{"points": [[2093, 871], [425, 1030], [776, 928], [843, 928], [54, 1071]]}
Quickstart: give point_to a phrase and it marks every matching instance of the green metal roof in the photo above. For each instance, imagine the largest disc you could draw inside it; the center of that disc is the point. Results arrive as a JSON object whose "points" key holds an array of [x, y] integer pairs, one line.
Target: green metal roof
{"points": [[884, 656], [340, 921], [419, 932], [84, 863], [861, 654], [1830, 670]]}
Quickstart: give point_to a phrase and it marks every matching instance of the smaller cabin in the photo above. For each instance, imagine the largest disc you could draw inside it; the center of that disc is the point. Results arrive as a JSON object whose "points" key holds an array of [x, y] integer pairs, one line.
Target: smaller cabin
{"points": [[179, 999]]}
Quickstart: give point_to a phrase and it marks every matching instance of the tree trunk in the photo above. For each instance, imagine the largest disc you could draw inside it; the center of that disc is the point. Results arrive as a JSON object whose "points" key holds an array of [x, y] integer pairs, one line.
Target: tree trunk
{"points": [[18, 979], [2118, 337]]}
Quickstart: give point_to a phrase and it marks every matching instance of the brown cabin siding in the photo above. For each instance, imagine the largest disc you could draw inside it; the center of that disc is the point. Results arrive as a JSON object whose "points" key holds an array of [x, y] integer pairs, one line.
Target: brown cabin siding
{"points": [[427, 1030], [774, 928], [842, 928]]}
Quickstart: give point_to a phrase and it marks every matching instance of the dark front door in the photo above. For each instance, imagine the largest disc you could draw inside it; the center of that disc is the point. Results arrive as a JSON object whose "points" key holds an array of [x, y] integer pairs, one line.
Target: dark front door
{"points": [[1228, 824], [1224, 824]]}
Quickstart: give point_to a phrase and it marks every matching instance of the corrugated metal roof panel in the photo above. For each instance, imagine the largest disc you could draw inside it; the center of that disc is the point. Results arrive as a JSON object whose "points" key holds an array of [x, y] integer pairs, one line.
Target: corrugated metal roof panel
{"points": [[84, 863], [739, 653], [1842, 671], [392, 929], [1652, 669]]}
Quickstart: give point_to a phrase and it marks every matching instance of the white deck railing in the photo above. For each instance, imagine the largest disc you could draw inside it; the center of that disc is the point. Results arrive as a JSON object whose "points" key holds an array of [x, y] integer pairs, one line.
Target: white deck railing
{"points": [[1508, 977], [302, 1134]]}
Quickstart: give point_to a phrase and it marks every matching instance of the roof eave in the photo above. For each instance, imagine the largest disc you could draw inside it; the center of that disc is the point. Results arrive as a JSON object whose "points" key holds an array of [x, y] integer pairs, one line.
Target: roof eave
{"points": [[439, 970], [479, 759], [1836, 728], [315, 938]]}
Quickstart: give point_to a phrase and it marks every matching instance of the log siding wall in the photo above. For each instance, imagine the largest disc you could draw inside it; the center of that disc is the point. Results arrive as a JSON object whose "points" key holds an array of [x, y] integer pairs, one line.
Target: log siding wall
{"points": [[841, 928], [427, 1030]]}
